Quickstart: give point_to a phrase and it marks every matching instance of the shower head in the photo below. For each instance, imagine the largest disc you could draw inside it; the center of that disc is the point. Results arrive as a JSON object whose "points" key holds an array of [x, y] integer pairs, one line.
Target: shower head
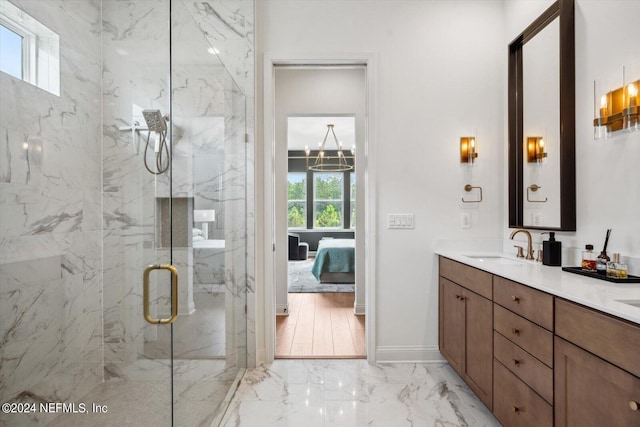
{"points": [[155, 121]]}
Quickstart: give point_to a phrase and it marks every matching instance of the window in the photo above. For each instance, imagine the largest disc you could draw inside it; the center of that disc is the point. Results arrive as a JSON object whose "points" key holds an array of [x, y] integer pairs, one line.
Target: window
{"points": [[327, 199], [29, 51], [353, 199], [297, 199], [11, 52]]}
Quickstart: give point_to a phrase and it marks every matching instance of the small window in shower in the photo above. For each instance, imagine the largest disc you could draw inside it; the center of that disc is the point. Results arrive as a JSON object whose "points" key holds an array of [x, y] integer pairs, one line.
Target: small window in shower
{"points": [[29, 51], [12, 57]]}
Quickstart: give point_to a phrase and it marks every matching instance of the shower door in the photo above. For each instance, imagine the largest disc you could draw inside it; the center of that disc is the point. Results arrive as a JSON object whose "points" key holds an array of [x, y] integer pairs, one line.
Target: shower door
{"points": [[192, 217], [208, 192]]}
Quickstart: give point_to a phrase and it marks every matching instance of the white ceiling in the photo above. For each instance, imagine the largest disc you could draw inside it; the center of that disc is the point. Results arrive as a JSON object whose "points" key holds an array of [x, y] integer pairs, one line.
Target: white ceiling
{"points": [[310, 130]]}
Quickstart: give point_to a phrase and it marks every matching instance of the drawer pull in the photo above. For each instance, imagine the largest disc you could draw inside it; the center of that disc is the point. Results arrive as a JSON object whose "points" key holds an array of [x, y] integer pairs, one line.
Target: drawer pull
{"points": [[515, 409], [515, 331], [515, 299], [634, 405], [516, 362]]}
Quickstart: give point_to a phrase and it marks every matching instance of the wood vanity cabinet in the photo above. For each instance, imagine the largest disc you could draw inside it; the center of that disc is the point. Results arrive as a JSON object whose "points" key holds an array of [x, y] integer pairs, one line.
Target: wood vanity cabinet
{"points": [[466, 325], [534, 359], [523, 352], [597, 369]]}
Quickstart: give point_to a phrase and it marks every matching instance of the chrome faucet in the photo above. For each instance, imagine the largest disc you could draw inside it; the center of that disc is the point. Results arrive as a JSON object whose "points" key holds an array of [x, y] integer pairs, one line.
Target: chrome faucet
{"points": [[529, 244]]}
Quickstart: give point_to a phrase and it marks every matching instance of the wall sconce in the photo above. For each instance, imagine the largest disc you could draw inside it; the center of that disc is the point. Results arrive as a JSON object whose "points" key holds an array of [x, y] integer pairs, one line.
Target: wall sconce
{"points": [[468, 149], [535, 149], [630, 113], [618, 110]]}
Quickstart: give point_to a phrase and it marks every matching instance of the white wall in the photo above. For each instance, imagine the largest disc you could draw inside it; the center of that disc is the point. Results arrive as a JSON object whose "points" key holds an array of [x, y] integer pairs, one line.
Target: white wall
{"points": [[304, 91], [440, 73], [607, 171]]}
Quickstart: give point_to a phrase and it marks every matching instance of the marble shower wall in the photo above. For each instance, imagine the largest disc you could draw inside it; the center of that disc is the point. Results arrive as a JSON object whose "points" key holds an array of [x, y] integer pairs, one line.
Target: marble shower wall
{"points": [[209, 164], [50, 219]]}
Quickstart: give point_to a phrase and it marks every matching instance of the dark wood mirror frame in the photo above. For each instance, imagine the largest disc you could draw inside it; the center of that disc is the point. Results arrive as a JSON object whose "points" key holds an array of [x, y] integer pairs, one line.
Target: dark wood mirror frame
{"points": [[564, 9]]}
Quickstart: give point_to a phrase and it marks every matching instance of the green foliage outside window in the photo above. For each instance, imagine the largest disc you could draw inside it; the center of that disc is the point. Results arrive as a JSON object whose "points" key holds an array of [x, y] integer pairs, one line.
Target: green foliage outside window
{"points": [[328, 187], [327, 196], [353, 200], [297, 190], [297, 197], [296, 216], [329, 217]]}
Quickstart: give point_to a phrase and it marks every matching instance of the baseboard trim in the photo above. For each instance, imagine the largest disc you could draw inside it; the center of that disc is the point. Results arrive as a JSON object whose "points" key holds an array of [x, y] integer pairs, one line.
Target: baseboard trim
{"points": [[409, 354], [282, 309], [359, 309]]}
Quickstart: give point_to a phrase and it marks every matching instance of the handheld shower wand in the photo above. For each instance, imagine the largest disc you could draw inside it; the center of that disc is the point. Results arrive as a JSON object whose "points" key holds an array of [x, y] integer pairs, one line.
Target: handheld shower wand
{"points": [[156, 123]]}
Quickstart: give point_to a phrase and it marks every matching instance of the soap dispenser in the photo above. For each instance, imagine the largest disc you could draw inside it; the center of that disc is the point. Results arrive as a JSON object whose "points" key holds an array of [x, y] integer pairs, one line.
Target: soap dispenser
{"points": [[552, 251]]}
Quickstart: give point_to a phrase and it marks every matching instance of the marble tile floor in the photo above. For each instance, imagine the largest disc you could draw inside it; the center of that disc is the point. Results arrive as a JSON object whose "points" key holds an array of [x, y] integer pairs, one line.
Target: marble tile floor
{"points": [[353, 393], [143, 398]]}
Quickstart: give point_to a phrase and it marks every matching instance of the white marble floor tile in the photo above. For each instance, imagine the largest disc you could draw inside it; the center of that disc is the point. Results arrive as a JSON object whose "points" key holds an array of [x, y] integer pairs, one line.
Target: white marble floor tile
{"points": [[271, 414], [350, 393]]}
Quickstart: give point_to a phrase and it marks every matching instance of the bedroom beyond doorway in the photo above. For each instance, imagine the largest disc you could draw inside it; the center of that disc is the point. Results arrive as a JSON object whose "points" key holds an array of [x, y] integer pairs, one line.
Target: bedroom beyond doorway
{"points": [[320, 117]]}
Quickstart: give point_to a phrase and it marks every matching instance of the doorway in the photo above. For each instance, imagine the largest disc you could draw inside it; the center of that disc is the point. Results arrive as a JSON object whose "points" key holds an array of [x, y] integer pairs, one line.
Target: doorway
{"points": [[320, 118]]}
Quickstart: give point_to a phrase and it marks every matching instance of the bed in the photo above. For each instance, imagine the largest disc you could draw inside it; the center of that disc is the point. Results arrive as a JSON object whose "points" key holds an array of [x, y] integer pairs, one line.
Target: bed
{"points": [[335, 261]]}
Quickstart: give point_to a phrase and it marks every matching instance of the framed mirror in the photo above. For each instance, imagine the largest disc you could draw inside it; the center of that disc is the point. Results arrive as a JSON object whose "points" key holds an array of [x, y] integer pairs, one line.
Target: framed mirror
{"points": [[541, 90]]}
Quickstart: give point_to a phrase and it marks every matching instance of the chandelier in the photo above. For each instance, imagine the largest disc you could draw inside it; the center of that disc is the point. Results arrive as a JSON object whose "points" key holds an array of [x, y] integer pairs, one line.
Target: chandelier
{"points": [[325, 160]]}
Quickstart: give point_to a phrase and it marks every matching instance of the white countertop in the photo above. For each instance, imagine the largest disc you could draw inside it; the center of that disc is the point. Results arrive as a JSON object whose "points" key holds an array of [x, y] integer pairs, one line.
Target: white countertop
{"points": [[598, 294]]}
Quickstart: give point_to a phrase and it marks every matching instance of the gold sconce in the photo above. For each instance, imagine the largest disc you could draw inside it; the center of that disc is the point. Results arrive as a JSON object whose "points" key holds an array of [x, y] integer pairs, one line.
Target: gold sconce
{"points": [[535, 149], [468, 149], [618, 110]]}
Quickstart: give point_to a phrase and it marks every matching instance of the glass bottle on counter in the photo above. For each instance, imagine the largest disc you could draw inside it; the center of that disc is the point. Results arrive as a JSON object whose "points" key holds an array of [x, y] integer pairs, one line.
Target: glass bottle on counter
{"points": [[616, 269], [601, 263], [589, 259]]}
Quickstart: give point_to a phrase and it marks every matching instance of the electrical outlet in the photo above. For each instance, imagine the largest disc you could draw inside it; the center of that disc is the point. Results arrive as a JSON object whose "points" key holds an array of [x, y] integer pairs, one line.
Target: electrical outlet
{"points": [[536, 220], [465, 220]]}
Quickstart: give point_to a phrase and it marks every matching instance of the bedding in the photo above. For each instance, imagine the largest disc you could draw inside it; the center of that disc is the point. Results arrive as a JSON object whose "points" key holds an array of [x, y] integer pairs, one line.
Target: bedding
{"points": [[335, 260]]}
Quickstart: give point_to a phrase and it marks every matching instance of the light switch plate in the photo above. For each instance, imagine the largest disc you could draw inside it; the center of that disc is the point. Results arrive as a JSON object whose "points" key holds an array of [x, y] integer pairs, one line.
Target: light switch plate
{"points": [[400, 221]]}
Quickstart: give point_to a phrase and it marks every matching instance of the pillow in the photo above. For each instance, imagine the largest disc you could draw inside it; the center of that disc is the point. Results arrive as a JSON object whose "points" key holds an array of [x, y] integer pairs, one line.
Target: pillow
{"points": [[197, 232], [198, 238]]}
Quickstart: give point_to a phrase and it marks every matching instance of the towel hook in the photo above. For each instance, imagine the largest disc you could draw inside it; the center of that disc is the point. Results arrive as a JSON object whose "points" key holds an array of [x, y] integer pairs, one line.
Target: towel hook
{"points": [[468, 188]]}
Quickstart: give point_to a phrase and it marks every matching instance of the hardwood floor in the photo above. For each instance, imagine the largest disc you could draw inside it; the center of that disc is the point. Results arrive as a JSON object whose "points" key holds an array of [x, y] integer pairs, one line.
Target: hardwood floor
{"points": [[320, 325]]}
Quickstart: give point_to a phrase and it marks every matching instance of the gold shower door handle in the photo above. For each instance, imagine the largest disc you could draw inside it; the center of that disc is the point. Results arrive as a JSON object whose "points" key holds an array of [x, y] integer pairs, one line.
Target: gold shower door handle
{"points": [[174, 294]]}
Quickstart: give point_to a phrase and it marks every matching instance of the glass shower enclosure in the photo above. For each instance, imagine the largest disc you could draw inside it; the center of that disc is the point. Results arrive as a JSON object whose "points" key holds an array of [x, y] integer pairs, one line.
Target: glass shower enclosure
{"points": [[123, 216]]}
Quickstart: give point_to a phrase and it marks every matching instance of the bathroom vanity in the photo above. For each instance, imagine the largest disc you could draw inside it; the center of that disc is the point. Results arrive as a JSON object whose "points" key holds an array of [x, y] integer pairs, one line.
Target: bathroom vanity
{"points": [[541, 347]]}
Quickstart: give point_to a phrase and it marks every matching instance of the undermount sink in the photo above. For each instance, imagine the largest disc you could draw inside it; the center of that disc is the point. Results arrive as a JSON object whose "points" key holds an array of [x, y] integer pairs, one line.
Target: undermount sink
{"points": [[495, 259], [634, 303]]}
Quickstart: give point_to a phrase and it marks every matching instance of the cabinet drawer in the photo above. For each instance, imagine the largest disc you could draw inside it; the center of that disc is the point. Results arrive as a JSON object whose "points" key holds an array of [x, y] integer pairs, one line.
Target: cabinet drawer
{"points": [[530, 303], [471, 278], [530, 370], [515, 404], [531, 337], [612, 339]]}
